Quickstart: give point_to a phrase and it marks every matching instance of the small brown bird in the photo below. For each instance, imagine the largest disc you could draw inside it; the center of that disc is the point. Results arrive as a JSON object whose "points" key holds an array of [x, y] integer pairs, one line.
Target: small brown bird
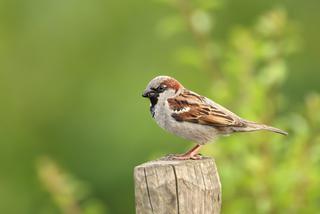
{"points": [[192, 116]]}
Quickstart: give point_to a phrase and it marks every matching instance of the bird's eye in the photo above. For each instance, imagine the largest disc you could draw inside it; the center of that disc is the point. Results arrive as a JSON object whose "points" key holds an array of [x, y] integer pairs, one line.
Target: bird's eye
{"points": [[161, 88]]}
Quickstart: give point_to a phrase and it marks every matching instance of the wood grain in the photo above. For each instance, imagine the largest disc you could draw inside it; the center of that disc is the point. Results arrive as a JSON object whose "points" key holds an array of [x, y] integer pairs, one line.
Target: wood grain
{"points": [[169, 186]]}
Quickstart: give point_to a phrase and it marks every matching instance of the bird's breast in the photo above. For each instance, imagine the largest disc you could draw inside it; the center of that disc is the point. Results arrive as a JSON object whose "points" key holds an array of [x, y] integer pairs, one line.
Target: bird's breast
{"points": [[190, 131], [161, 115]]}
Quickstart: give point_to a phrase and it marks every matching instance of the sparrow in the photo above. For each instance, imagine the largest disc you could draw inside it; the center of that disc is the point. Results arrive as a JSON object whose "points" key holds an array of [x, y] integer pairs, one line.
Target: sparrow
{"points": [[193, 117]]}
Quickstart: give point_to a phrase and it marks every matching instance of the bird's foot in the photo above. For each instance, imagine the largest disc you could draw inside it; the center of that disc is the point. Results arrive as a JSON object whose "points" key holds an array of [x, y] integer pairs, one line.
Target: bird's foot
{"points": [[186, 157], [192, 154]]}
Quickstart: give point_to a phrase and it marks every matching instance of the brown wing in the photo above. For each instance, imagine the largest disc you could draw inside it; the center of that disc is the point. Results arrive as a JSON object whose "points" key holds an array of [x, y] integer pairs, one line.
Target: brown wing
{"points": [[190, 107]]}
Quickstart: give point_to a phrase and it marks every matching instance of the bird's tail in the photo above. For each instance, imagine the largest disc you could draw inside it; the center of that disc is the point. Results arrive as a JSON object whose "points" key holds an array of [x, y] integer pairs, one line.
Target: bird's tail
{"points": [[253, 126]]}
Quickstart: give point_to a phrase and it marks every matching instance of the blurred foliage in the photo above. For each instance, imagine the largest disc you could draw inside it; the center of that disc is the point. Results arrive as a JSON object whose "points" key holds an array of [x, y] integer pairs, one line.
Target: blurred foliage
{"points": [[73, 124], [70, 195]]}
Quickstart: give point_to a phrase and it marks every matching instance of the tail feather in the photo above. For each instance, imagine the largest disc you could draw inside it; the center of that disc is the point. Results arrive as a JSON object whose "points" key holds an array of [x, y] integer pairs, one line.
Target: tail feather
{"points": [[253, 126]]}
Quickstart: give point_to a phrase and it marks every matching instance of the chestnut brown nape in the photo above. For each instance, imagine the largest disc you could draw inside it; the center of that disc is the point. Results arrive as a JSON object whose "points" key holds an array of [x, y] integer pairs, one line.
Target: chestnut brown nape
{"points": [[172, 83]]}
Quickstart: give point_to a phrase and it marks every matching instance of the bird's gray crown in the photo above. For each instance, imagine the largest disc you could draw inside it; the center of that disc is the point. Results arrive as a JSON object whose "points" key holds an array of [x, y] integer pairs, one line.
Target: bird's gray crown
{"points": [[155, 82]]}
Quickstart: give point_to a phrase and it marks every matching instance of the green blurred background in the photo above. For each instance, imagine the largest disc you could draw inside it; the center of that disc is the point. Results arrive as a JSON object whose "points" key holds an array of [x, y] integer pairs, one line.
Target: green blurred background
{"points": [[74, 125]]}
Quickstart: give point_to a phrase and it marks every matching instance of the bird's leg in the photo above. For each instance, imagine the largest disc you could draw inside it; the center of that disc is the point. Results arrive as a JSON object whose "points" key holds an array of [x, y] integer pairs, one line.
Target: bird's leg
{"points": [[191, 154]]}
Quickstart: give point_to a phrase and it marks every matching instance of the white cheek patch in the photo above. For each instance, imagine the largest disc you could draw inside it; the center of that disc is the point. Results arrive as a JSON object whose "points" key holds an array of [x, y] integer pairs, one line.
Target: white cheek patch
{"points": [[182, 110]]}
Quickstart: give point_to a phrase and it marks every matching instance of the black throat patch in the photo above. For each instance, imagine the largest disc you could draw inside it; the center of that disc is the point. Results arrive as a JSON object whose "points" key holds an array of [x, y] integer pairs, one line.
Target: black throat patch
{"points": [[154, 101]]}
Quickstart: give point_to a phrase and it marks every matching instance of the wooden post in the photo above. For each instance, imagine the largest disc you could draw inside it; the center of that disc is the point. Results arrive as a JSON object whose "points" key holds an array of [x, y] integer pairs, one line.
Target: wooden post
{"points": [[169, 186]]}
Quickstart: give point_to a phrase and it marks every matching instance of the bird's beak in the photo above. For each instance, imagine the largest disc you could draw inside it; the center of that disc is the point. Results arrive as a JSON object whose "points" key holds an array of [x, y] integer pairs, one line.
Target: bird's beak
{"points": [[145, 94], [148, 94]]}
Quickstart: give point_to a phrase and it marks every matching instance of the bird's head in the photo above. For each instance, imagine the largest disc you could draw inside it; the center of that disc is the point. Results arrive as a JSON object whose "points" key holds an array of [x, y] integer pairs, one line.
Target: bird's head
{"points": [[161, 86]]}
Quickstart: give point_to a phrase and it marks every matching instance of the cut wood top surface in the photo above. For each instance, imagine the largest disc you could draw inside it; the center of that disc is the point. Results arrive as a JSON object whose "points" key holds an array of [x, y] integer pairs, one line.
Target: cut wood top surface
{"points": [[167, 160]]}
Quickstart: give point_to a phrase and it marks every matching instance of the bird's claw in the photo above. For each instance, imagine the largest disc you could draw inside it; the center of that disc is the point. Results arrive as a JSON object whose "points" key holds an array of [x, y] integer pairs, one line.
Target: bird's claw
{"points": [[185, 157]]}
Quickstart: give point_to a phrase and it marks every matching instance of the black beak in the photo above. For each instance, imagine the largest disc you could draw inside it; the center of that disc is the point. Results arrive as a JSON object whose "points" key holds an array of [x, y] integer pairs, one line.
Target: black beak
{"points": [[148, 94]]}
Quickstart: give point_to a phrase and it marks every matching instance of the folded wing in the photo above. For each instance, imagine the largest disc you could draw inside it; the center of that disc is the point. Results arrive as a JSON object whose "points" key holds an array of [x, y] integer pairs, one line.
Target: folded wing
{"points": [[191, 107]]}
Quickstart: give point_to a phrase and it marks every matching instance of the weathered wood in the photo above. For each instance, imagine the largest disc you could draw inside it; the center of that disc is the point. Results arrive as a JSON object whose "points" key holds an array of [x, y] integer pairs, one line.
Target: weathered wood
{"points": [[174, 186]]}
